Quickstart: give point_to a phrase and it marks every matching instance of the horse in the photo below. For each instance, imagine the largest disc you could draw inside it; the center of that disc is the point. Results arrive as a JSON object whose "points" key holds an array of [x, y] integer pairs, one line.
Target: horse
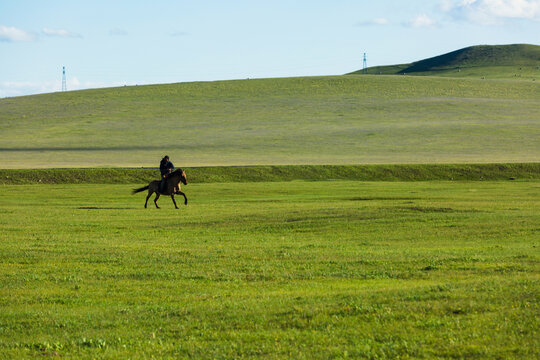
{"points": [[172, 187]]}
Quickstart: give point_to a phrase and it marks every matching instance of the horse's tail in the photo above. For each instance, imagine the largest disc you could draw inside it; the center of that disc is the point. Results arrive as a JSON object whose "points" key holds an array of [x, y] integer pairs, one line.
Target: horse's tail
{"points": [[140, 189]]}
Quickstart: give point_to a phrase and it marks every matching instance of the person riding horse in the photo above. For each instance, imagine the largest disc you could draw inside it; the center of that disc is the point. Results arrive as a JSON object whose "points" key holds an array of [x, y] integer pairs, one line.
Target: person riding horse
{"points": [[172, 185], [165, 167]]}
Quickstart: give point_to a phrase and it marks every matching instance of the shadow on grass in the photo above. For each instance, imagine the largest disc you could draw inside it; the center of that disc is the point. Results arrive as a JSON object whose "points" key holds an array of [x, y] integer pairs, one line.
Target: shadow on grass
{"points": [[85, 148], [102, 208], [381, 198]]}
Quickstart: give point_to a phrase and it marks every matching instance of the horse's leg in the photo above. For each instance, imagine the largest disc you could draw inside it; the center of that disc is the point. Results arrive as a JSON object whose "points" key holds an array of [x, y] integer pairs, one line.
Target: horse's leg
{"points": [[174, 201], [184, 195], [156, 199], [174, 189], [150, 192]]}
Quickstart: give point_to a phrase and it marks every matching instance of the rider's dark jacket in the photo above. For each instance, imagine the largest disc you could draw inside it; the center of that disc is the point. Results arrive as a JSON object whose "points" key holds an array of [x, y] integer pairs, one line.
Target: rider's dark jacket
{"points": [[165, 167]]}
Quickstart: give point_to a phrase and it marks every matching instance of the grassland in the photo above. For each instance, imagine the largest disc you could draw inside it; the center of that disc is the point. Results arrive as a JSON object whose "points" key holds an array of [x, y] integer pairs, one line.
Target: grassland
{"points": [[512, 62], [399, 172], [318, 120], [511, 72], [331, 269], [270, 261]]}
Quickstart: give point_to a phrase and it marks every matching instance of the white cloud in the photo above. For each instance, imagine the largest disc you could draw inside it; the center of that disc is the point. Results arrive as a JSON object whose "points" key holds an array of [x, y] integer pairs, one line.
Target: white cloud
{"points": [[21, 88], [376, 21], [492, 11], [421, 20], [381, 21], [12, 34], [60, 33], [447, 5]]}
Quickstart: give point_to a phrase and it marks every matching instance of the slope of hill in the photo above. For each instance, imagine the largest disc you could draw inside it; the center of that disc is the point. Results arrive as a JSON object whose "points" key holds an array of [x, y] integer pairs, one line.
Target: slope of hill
{"points": [[518, 61], [315, 120]]}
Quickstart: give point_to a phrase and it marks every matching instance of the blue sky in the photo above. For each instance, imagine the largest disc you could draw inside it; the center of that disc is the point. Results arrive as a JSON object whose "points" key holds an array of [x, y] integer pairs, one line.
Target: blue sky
{"points": [[115, 43]]}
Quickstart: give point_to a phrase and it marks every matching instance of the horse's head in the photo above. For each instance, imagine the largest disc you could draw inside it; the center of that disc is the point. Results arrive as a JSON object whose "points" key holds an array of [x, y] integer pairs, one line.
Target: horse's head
{"points": [[179, 174], [183, 177]]}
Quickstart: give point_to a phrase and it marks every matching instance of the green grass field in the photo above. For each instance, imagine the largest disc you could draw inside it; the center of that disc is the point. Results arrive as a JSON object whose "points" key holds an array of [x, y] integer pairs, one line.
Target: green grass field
{"points": [[396, 172], [301, 269], [511, 72], [318, 120], [511, 62], [389, 217]]}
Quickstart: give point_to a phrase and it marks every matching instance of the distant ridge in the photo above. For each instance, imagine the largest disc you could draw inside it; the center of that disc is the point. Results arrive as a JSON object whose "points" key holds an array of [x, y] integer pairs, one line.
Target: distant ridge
{"points": [[497, 60], [335, 120]]}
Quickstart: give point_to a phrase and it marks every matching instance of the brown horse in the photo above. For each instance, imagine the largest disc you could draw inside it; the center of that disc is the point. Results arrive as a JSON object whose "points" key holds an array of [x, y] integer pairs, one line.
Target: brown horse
{"points": [[172, 187]]}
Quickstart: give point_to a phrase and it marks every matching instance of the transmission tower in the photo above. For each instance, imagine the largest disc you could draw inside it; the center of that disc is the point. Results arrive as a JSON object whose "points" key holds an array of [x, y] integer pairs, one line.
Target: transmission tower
{"points": [[364, 65], [64, 87]]}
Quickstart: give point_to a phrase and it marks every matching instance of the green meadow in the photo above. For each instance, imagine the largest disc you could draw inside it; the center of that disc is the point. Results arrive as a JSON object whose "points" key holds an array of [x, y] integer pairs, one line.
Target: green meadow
{"points": [[273, 270], [316, 120], [277, 173], [518, 73], [510, 62], [356, 216]]}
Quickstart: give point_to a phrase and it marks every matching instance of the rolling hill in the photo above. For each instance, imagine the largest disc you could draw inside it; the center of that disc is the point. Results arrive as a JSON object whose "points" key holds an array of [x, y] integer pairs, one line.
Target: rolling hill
{"points": [[313, 120], [519, 61]]}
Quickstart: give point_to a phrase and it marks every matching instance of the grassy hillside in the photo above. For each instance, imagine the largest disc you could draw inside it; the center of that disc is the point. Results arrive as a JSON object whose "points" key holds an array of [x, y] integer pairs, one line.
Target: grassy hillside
{"points": [[316, 120], [405, 172], [520, 61]]}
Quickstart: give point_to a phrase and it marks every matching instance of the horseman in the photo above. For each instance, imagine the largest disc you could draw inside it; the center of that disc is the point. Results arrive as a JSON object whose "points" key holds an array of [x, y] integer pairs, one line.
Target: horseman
{"points": [[169, 176], [165, 167]]}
